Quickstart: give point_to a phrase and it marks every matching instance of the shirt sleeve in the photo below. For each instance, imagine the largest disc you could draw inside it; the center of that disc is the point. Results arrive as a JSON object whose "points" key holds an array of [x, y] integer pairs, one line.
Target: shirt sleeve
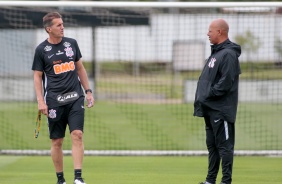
{"points": [[78, 53], [38, 60]]}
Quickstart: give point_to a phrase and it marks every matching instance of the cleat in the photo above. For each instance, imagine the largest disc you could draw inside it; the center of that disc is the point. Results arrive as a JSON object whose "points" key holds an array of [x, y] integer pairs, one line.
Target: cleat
{"points": [[78, 181], [61, 181]]}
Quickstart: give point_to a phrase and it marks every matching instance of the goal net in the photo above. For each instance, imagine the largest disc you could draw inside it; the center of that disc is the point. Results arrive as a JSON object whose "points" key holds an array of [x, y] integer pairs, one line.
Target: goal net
{"points": [[143, 61]]}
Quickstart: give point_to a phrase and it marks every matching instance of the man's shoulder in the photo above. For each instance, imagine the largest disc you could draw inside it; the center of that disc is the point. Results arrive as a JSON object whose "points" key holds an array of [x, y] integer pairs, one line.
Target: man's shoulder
{"points": [[68, 39], [43, 46]]}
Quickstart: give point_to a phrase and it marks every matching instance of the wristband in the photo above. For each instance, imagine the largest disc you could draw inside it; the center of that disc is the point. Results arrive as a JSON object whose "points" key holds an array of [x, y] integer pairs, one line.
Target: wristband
{"points": [[88, 90]]}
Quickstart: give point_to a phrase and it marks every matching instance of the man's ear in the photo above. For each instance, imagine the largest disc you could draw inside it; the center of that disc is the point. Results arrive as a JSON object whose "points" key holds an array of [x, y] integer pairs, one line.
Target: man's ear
{"points": [[48, 29], [219, 32]]}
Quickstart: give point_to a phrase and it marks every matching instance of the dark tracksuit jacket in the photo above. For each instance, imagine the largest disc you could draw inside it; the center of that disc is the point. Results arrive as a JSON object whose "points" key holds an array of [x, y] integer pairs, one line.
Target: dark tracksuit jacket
{"points": [[216, 100], [217, 88]]}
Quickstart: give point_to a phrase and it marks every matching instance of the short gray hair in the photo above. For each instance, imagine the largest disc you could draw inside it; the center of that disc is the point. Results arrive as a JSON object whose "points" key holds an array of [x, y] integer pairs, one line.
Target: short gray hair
{"points": [[47, 19]]}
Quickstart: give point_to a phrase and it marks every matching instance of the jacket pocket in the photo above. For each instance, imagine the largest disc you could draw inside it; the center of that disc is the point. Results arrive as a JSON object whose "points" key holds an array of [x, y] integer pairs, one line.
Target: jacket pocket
{"points": [[203, 91]]}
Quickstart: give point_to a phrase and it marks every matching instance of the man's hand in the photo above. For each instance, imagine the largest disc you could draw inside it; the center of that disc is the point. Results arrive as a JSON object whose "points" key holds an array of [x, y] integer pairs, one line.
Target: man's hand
{"points": [[90, 100], [43, 108]]}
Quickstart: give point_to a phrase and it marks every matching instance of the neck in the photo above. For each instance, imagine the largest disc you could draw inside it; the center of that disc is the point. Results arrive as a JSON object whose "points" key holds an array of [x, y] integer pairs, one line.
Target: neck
{"points": [[54, 40], [223, 40]]}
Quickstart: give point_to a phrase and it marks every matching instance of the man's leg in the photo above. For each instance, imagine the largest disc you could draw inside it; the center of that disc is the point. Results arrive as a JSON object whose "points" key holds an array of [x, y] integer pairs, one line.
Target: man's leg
{"points": [[57, 157], [76, 125], [57, 127], [77, 155], [224, 136], [214, 157], [57, 154], [77, 148], [226, 149]]}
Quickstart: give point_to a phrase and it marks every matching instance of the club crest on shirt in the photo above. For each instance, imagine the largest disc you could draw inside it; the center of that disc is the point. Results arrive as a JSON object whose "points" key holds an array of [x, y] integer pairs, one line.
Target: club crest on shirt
{"points": [[48, 48], [211, 63], [52, 113], [69, 52]]}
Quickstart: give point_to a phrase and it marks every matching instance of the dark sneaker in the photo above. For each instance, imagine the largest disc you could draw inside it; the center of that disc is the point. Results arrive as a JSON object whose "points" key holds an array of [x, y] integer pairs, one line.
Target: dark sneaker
{"points": [[222, 183], [78, 181], [205, 182], [61, 182]]}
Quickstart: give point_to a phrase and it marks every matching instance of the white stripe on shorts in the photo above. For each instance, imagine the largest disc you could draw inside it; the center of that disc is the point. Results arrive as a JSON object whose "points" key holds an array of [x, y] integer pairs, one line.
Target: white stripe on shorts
{"points": [[226, 130]]}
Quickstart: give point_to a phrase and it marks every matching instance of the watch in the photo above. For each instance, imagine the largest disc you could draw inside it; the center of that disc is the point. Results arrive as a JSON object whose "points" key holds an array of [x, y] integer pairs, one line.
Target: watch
{"points": [[88, 90]]}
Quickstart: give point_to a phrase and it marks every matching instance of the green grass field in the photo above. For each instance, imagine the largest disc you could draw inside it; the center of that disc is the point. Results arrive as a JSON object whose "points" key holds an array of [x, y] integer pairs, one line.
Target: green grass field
{"points": [[165, 125], [121, 126], [149, 114], [138, 170]]}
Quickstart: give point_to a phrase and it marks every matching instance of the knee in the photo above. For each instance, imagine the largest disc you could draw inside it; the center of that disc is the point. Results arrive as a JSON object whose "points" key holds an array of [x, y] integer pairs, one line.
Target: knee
{"points": [[57, 143], [226, 150], [77, 135]]}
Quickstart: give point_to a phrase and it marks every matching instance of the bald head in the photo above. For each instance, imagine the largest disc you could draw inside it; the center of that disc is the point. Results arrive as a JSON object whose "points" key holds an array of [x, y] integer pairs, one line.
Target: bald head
{"points": [[218, 31], [222, 25]]}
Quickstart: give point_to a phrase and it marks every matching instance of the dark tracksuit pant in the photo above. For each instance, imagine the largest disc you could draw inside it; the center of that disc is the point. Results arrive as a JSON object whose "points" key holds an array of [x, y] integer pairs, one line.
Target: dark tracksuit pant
{"points": [[220, 139]]}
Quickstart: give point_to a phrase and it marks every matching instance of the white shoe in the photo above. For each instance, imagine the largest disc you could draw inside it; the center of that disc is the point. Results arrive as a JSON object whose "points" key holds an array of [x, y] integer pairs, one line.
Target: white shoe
{"points": [[78, 181], [205, 182], [61, 182]]}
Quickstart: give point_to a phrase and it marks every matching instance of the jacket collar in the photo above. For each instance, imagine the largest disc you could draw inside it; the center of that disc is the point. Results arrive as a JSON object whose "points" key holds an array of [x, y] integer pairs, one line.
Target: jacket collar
{"points": [[220, 46]]}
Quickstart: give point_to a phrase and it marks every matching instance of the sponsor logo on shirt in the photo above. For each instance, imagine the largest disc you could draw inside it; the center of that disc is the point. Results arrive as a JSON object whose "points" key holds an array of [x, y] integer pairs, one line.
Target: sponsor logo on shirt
{"points": [[217, 120], [57, 62], [67, 44], [59, 52], [67, 97], [63, 67], [50, 56], [48, 48]]}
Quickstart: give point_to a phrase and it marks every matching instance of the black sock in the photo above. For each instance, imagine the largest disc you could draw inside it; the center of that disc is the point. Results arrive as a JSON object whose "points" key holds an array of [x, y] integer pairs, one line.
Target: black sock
{"points": [[60, 176], [77, 173]]}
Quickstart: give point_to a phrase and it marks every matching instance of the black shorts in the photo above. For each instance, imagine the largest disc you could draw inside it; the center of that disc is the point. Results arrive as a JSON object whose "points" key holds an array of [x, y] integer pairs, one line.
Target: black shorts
{"points": [[71, 114]]}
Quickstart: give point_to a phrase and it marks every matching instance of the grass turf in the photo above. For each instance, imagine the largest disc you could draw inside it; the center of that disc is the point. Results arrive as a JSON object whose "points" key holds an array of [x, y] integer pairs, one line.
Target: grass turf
{"points": [[138, 170], [121, 126]]}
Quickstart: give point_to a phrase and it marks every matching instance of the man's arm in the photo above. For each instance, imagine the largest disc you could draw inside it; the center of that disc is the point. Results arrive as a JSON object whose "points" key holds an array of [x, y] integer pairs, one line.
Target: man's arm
{"points": [[84, 82], [37, 77]]}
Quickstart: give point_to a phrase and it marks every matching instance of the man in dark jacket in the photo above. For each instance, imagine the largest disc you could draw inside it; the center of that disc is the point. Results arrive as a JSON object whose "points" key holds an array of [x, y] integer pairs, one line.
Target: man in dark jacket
{"points": [[216, 100]]}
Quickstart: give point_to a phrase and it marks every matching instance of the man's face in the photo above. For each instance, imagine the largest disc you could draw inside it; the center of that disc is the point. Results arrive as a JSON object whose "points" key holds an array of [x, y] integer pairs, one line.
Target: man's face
{"points": [[213, 34], [57, 29]]}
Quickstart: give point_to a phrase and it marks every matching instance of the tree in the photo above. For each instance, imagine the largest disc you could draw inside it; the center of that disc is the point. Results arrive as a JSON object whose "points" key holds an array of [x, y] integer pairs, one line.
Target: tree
{"points": [[250, 44]]}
